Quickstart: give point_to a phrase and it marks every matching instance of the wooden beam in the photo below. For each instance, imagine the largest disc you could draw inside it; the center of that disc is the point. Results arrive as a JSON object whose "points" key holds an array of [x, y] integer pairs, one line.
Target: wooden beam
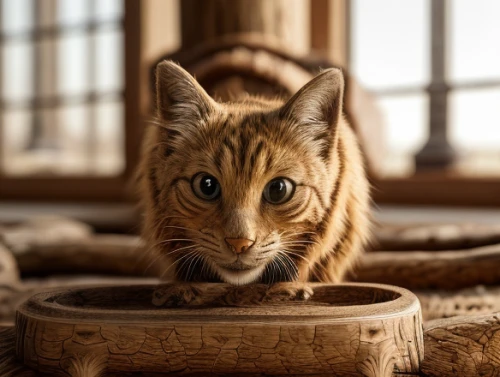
{"points": [[330, 34], [438, 189], [133, 129], [437, 153], [284, 20]]}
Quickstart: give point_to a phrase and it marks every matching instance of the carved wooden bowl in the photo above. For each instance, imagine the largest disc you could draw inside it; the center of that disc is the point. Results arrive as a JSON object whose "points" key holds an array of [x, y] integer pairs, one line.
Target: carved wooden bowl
{"points": [[343, 330]]}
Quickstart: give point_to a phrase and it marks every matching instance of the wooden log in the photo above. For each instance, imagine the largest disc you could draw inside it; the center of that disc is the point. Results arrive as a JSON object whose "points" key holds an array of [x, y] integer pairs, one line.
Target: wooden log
{"points": [[462, 347], [452, 269], [435, 237], [343, 330], [54, 250], [127, 256], [47, 245]]}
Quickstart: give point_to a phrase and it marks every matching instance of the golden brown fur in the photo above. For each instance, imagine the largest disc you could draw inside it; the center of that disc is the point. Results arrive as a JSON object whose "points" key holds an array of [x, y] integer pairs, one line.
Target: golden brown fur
{"points": [[315, 236]]}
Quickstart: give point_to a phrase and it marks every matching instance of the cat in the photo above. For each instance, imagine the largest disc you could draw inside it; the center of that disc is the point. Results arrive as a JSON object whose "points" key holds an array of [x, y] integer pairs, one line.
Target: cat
{"points": [[253, 191]]}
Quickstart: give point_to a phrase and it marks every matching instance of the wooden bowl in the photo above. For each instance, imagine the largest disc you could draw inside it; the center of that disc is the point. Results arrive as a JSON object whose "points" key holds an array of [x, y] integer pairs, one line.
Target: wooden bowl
{"points": [[344, 330]]}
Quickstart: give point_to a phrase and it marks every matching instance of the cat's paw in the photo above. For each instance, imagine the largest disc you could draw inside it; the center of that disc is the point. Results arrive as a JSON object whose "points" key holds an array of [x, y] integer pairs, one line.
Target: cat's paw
{"points": [[175, 295], [246, 295], [288, 292]]}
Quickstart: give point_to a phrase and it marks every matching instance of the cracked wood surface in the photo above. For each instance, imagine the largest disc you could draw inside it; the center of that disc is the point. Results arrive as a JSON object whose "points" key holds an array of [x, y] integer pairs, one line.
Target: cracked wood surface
{"points": [[465, 346], [378, 336]]}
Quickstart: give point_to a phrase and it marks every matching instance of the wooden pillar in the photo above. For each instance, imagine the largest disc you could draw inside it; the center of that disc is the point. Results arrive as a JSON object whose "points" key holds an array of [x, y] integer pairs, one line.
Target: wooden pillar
{"points": [[437, 152], [330, 32], [284, 20], [2, 111], [44, 123]]}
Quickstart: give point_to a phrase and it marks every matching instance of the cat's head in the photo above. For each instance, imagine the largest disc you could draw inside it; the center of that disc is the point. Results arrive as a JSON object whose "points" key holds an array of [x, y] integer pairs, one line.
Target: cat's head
{"points": [[237, 190]]}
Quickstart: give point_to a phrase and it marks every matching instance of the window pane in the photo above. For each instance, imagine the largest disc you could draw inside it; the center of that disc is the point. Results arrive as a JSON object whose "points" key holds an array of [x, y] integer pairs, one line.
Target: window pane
{"points": [[31, 152], [16, 16], [110, 138], [108, 10], [46, 67], [109, 60], [390, 42], [17, 74], [15, 136], [73, 56], [475, 119], [73, 12], [475, 40], [406, 119]]}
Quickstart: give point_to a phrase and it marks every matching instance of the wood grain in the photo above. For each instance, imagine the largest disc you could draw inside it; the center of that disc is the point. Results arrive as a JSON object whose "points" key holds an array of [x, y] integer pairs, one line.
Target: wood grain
{"points": [[66, 246], [435, 237], [328, 335], [453, 269], [462, 346]]}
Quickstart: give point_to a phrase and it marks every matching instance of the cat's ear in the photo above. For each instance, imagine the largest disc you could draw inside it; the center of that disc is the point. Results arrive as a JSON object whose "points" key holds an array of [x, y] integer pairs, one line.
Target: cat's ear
{"points": [[179, 96], [319, 102]]}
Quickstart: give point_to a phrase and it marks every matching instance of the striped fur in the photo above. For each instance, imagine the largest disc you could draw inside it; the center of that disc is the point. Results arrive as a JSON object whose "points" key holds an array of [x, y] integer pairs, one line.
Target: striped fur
{"points": [[316, 236]]}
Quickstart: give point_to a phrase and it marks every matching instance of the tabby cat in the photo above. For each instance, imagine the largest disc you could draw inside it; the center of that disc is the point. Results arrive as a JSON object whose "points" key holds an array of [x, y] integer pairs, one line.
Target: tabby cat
{"points": [[256, 190]]}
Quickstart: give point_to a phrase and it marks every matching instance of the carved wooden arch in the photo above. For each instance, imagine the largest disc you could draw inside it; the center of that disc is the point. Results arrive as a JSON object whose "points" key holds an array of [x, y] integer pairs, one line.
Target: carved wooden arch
{"points": [[264, 67]]}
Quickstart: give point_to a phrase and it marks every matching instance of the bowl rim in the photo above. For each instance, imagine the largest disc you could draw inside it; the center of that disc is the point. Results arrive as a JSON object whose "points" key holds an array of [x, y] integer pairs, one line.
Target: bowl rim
{"points": [[40, 307]]}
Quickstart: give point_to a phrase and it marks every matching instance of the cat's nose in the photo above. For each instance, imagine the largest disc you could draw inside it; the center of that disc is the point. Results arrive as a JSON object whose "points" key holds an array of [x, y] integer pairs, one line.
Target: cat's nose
{"points": [[239, 245]]}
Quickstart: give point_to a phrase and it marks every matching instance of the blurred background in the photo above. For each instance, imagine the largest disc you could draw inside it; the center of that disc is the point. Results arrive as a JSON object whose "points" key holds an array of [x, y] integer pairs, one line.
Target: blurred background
{"points": [[75, 94], [422, 93]]}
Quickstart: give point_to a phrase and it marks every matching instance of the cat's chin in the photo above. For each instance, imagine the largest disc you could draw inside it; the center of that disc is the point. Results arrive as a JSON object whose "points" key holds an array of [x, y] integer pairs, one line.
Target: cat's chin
{"points": [[239, 277]]}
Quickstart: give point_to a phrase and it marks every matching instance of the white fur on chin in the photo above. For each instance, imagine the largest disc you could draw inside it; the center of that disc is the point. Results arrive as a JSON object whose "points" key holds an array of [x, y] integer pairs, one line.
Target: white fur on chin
{"points": [[241, 277]]}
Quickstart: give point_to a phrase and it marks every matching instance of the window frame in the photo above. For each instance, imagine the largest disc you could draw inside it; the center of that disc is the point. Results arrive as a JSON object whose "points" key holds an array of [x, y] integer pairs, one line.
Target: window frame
{"points": [[438, 184], [95, 188]]}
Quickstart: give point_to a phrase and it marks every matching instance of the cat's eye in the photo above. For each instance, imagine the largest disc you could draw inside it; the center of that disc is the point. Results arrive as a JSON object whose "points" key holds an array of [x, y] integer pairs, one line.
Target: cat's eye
{"points": [[279, 190], [205, 186]]}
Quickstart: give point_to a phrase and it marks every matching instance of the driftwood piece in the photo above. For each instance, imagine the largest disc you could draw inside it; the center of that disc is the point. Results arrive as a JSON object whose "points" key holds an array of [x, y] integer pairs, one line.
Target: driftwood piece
{"points": [[327, 335], [84, 252], [462, 347], [435, 236], [452, 269], [47, 245], [41, 231]]}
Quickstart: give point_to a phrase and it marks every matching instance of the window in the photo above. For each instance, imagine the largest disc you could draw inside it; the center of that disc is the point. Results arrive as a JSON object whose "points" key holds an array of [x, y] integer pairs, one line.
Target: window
{"points": [[64, 126], [435, 68]]}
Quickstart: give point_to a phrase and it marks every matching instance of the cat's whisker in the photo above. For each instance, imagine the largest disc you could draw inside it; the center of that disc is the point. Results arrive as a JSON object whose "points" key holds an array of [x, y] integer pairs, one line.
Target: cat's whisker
{"points": [[211, 249], [179, 227], [209, 242], [153, 261], [182, 248], [289, 263], [299, 243], [194, 231], [196, 258], [288, 268], [174, 240], [297, 255], [190, 260], [177, 261]]}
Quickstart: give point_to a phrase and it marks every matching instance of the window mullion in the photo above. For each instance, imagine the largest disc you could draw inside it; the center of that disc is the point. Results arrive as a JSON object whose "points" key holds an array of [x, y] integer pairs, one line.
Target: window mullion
{"points": [[437, 152], [45, 71]]}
